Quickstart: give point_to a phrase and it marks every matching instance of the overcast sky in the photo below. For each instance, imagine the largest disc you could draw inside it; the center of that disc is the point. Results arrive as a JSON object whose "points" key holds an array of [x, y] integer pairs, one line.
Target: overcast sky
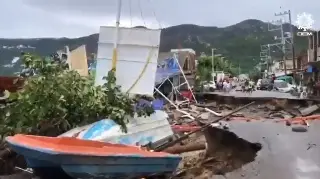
{"points": [[74, 18]]}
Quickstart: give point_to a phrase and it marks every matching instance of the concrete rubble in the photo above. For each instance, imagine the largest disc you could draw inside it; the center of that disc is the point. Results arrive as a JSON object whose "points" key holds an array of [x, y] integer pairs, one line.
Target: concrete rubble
{"points": [[309, 110], [198, 162], [232, 148]]}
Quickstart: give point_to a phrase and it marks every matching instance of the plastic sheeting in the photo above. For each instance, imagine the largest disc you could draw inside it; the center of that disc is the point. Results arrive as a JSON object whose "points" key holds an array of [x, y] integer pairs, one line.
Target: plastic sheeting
{"points": [[170, 69], [158, 104], [140, 130]]}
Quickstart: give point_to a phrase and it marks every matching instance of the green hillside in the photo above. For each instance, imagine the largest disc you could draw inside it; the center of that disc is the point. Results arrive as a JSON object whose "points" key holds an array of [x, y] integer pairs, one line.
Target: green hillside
{"points": [[240, 43]]}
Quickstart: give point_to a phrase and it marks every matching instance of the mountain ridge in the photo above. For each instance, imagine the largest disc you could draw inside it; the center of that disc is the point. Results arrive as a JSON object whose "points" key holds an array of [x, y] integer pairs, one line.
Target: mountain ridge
{"points": [[240, 43]]}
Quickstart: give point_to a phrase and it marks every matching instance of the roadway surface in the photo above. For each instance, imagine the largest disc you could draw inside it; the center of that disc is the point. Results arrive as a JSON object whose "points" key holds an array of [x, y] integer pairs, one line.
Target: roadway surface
{"points": [[284, 155], [256, 94]]}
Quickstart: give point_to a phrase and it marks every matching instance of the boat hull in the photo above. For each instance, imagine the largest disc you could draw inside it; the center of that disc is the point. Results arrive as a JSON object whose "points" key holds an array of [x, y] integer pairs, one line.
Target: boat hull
{"points": [[52, 164], [104, 172], [154, 129], [49, 170]]}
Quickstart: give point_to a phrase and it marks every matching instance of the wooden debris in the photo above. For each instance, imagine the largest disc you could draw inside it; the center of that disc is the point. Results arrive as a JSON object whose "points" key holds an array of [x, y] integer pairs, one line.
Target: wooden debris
{"points": [[178, 149]]}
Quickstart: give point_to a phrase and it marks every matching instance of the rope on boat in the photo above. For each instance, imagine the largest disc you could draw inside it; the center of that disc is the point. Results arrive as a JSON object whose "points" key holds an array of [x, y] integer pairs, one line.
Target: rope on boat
{"points": [[28, 170]]}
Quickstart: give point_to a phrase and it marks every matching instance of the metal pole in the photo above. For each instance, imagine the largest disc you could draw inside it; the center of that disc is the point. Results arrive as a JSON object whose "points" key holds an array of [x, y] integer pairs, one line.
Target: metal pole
{"points": [[268, 65], [161, 84], [223, 62], [269, 61], [283, 49], [68, 56], [212, 62], [177, 108], [185, 78], [116, 36], [292, 43], [173, 87]]}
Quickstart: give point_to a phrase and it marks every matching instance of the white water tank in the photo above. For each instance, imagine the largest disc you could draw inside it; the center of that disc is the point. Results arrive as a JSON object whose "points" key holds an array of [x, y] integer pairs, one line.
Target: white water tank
{"points": [[138, 50]]}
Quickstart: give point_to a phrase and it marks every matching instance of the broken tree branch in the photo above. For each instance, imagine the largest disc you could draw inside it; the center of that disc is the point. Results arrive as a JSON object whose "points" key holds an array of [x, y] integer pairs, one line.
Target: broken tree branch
{"points": [[185, 148]]}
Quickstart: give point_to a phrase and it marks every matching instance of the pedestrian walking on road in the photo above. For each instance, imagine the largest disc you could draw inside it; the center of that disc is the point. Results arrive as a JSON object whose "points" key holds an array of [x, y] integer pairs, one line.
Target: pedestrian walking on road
{"points": [[228, 86]]}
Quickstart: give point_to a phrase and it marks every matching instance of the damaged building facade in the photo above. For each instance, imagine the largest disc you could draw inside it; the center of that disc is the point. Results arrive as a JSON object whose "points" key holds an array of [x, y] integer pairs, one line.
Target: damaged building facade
{"points": [[313, 58], [186, 60]]}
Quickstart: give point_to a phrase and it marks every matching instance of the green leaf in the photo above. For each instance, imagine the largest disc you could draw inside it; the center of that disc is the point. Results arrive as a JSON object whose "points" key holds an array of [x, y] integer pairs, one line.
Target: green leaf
{"points": [[58, 98]]}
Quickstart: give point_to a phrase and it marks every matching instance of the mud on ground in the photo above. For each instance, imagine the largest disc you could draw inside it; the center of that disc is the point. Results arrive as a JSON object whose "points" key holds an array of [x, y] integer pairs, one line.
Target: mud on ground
{"points": [[228, 152]]}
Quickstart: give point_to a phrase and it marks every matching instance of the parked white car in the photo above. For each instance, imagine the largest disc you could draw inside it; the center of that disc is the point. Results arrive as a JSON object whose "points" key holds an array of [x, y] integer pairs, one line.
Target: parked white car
{"points": [[210, 86], [283, 86]]}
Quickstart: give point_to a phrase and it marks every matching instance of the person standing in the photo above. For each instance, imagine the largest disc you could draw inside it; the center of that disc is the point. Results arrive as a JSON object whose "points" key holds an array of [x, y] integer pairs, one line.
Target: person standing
{"points": [[224, 85], [310, 86], [271, 85], [273, 77], [228, 86]]}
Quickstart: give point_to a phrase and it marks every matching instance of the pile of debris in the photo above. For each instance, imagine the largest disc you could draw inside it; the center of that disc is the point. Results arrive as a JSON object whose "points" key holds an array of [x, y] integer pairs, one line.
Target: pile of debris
{"points": [[207, 147], [229, 152], [214, 150]]}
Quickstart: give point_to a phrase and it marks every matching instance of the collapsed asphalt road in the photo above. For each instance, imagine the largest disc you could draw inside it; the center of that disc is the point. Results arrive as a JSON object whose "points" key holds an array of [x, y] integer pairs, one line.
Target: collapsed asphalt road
{"points": [[285, 154], [225, 153]]}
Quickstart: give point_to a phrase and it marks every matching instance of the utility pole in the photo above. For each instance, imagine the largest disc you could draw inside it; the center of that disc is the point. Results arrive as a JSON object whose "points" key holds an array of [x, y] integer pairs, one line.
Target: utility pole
{"points": [[292, 42], [213, 66], [212, 62], [265, 56], [223, 66], [283, 48], [285, 41]]}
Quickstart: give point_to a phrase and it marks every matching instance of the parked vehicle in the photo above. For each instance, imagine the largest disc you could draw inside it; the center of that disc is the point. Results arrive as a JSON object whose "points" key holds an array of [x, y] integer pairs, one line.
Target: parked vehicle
{"points": [[288, 79], [264, 84], [210, 86], [283, 86]]}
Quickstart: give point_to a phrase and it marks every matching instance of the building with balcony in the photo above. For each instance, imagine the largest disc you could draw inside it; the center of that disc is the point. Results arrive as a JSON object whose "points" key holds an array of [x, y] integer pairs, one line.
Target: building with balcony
{"points": [[313, 52], [313, 65]]}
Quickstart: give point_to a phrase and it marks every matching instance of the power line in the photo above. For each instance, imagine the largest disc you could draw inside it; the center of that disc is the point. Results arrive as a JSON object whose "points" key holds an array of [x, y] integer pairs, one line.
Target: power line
{"points": [[285, 41], [141, 13], [155, 15]]}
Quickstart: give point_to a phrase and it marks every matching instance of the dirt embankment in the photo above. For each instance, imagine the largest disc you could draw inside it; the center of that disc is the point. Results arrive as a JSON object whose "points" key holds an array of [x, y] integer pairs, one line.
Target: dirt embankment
{"points": [[227, 153]]}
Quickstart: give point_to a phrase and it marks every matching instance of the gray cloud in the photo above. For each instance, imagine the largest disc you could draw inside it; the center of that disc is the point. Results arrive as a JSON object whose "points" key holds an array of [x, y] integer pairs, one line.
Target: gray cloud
{"points": [[56, 18]]}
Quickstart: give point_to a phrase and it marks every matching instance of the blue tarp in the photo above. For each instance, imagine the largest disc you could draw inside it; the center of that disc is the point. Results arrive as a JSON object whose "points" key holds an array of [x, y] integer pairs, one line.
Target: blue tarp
{"points": [[311, 69], [158, 104], [171, 69]]}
